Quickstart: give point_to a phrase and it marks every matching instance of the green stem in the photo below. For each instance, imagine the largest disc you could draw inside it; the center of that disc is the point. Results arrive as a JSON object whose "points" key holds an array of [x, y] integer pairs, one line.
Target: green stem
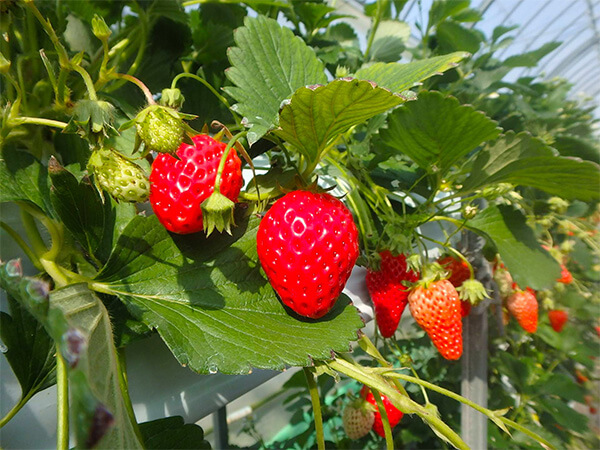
{"points": [[381, 5], [21, 243], [62, 93], [387, 430], [138, 83], [31, 229], [221, 167], [210, 88], [89, 84], [39, 121], [316, 404], [403, 403], [63, 57], [62, 401], [124, 386], [15, 409], [473, 405]]}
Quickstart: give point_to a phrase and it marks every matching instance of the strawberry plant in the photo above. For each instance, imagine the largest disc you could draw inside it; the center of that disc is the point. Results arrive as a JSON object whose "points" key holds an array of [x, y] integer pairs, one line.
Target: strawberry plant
{"points": [[122, 152]]}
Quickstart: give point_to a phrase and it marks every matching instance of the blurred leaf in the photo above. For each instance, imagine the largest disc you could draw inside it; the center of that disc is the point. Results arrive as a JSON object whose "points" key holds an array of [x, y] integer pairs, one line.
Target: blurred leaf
{"points": [[468, 15], [451, 37], [212, 305], [173, 433], [436, 131], [565, 415], [518, 247], [24, 179], [316, 116], [569, 145], [30, 351], [268, 65], [442, 9], [523, 160], [399, 77], [389, 41], [531, 59], [97, 369], [562, 386], [501, 30]]}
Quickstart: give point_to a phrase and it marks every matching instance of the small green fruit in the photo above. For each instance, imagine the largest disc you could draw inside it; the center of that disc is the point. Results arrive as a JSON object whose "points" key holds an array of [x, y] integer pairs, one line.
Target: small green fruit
{"points": [[160, 129], [121, 178]]}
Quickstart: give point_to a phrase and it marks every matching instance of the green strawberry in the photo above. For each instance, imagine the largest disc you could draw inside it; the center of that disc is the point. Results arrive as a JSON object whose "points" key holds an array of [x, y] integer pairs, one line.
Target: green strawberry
{"points": [[160, 129], [120, 177]]}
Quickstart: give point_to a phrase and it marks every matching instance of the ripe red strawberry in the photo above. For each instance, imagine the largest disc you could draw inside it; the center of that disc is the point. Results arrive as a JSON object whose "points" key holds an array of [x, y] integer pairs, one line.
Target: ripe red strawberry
{"points": [[458, 270], [465, 308], [558, 318], [179, 185], [394, 415], [307, 245], [388, 293], [524, 307], [357, 419], [565, 275], [580, 377], [436, 308]]}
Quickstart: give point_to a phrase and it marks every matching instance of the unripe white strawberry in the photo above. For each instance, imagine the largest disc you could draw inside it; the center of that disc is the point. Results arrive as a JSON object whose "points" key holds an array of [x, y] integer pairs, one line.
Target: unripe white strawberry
{"points": [[357, 419]]}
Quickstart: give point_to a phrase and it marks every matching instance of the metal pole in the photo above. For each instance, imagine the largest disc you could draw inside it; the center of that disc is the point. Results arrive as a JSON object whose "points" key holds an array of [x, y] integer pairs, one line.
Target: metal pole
{"points": [[221, 430], [474, 380]]}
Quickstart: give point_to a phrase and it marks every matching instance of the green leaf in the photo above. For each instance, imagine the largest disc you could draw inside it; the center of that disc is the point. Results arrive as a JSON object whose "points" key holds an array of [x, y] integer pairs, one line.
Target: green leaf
{"points": [[211, 303], [389, 41], [563, 386], [436, 131], [528, 263], [23, 178], [30, 351], [79, 207], [565, 415], [532, 58], [173, 433], [442, 9], [399, 77], [524, 160], [569, 145], [268, 65], [316, 116], [452, 36], [99, 364]]}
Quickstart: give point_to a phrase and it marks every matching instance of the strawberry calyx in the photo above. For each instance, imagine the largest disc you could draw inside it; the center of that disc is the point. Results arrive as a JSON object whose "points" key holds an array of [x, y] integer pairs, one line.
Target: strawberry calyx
{"points": [[217, 212], [472, 291], [172, 98]]}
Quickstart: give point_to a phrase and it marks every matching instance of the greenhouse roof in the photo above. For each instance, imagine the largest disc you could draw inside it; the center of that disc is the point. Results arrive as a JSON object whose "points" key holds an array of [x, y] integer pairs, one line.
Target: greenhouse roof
{"points": [[573, 23]]}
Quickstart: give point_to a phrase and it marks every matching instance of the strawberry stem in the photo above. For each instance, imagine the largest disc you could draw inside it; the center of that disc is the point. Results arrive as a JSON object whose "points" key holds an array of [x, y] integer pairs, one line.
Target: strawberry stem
{"points": [[230, 144], [210, 88], [387, 429], [138, 83], [316, 404], [487, 412]]}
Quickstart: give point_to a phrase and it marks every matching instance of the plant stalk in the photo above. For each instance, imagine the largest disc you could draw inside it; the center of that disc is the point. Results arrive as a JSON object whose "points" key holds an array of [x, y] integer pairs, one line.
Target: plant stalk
{"points": [[62, 401], [316, 404]]}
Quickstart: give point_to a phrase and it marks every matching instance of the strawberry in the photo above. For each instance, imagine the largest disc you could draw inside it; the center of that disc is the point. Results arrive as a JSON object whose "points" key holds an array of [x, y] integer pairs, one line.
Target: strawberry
{"points": [[465, 308], [524, 307], [565, 275], [558, 318], [580, 377], [394, 415], [160, 128], [458, 270], [436, 308], [307, 245], [504, 281], [179, 185], [357, 419], [388, 293], [120, 177]]}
